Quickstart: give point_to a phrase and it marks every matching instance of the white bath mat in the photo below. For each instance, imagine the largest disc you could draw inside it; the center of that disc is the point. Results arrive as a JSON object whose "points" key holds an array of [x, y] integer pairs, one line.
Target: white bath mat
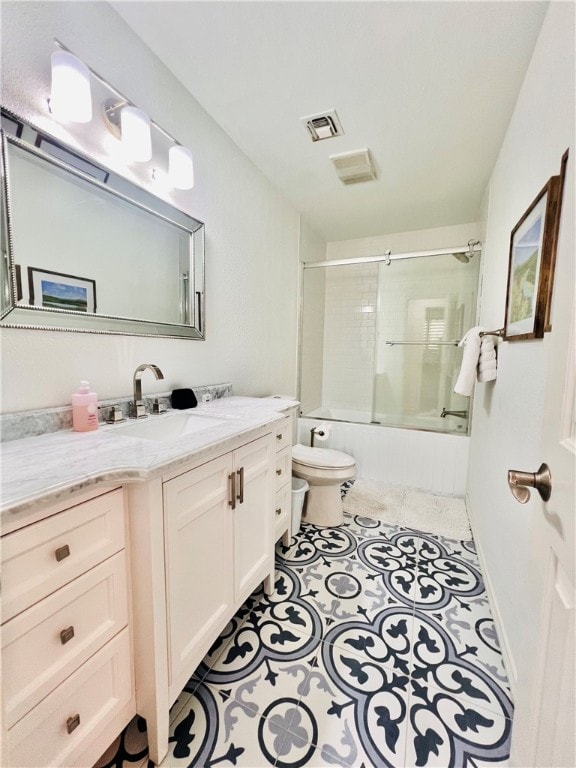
{"points": [[427, 512]]}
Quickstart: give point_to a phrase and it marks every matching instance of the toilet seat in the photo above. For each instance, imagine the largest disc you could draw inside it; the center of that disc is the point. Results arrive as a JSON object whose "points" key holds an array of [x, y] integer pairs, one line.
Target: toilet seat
{"points": [[321, 458]]}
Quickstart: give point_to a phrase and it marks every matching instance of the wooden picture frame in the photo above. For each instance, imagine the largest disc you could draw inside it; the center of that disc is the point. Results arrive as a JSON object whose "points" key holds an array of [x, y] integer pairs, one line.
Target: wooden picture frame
{"points": [[563, 166], [57, 290], [530, 265]]}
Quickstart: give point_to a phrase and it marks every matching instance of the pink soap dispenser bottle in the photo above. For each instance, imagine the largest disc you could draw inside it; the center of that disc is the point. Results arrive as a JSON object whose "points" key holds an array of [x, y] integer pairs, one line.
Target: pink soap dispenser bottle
{"points": [[84, 409]]}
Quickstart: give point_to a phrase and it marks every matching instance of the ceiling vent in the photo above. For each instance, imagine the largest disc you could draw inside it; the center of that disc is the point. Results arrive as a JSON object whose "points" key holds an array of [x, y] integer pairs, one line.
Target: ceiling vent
{"points": [[354, 167], [323, 126]]}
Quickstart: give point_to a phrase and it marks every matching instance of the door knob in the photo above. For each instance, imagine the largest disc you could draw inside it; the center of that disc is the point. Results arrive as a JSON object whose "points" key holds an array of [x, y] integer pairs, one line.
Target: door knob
{"points": [[521, 482]]}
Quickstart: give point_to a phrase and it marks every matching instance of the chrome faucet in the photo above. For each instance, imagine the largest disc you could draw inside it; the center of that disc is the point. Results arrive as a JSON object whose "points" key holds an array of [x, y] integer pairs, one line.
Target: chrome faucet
{"points": [[138, 408], [458, 414]]}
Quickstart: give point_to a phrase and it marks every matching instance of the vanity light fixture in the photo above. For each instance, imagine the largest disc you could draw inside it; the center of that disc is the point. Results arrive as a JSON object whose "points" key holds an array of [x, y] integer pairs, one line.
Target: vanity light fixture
{"points": [[71, 97], [71, 101], [135, 132], [180, 167], [131, 126]]}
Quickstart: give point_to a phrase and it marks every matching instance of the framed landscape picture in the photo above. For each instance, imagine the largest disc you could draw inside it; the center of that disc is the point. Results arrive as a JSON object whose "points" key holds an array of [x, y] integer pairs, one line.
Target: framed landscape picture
{"points": [[56, 290], [532, 245]]}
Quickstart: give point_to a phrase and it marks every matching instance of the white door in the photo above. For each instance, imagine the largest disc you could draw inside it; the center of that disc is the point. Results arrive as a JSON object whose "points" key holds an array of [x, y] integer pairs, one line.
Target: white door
{"points": [[199, 586], [544, 723], [253, 524]]}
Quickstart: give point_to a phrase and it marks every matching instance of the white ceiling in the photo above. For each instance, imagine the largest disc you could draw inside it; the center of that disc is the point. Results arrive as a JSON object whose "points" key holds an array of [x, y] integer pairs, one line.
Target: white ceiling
{"points": [[428, 87]]}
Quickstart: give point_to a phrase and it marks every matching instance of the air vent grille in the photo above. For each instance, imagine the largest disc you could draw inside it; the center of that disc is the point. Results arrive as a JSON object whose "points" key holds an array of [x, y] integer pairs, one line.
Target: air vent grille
{"points": [[324, 125], [354, 167]]}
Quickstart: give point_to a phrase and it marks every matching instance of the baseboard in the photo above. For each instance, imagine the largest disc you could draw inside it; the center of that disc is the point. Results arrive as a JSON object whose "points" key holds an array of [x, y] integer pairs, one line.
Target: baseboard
{"points": [[509, 664]]}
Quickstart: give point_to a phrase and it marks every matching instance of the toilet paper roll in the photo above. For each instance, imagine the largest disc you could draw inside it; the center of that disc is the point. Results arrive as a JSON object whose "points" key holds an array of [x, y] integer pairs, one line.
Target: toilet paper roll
{"points": [[322, 432]]}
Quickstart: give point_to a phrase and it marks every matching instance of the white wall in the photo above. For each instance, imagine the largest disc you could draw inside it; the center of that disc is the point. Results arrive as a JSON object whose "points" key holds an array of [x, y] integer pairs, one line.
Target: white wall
{"points": [[251, 231], [508, 415]]}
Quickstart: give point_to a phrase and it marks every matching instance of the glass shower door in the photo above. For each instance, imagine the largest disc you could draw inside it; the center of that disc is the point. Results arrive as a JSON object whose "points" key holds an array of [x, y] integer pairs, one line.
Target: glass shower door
{"points": [[425, 305], [337, 343]]}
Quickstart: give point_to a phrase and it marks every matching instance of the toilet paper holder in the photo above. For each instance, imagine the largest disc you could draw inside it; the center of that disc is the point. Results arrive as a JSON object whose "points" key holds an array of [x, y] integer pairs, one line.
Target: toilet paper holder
{"points": [[322, 432]]}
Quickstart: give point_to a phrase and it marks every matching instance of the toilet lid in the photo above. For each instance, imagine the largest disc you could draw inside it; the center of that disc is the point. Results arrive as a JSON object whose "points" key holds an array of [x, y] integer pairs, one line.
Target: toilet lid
{"points": [[321, 457]]}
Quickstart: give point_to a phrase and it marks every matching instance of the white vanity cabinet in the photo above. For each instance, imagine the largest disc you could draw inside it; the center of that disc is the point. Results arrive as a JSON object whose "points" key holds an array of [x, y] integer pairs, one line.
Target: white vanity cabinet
{"points": [[67, 673], [112, 597], [202, 541]]}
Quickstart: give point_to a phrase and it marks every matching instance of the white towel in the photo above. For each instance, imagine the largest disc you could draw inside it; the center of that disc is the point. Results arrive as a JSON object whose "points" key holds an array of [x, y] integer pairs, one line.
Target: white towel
{"points": [[467, 376], [487, 362], [487, 375], [479, 361]]}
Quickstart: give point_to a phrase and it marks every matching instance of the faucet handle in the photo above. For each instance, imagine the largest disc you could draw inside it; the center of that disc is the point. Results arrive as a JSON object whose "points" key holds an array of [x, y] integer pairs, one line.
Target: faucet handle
{"points": [[158, 407], [115, 414]]}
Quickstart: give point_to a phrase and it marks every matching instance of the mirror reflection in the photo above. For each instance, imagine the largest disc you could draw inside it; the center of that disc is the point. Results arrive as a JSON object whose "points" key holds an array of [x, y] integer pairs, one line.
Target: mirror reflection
{"points": [[88, 250]]}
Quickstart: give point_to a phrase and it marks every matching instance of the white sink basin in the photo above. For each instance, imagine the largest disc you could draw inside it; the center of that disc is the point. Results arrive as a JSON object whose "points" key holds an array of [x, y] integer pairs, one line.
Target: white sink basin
{"points": [[166, 428]]}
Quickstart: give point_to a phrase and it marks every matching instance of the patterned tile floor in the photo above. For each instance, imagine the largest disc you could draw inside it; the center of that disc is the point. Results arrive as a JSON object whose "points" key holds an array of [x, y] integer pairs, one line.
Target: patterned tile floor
{"points": [[376, 649]]}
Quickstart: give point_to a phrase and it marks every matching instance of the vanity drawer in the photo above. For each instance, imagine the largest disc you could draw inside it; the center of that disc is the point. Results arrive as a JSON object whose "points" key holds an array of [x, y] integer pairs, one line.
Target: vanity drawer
{"points": [[42, 646], [283, 434], [283, 467], [282, 511], [57, 730], [40, 558]]}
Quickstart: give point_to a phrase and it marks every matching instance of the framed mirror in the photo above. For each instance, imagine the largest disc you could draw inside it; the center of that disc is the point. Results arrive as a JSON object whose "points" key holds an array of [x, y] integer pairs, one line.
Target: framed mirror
{"points": [[84, 249]]}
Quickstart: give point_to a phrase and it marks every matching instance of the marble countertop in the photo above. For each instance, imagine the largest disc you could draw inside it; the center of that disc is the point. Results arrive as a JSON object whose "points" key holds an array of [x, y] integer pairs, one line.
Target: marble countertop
{"points": [[49, 467]]}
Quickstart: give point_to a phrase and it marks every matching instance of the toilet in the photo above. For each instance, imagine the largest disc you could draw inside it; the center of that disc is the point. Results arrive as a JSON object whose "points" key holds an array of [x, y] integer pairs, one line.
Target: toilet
{"points": [[324, 470]]}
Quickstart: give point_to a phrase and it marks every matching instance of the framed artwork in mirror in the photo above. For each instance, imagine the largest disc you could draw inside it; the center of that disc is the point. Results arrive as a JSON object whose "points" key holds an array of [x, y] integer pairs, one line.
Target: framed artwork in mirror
{"points": [[56, 290], [532, 244]]}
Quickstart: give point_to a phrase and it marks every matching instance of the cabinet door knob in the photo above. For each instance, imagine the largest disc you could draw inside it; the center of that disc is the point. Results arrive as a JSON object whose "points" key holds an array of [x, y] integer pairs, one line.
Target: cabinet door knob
{"points": [[279, 437], [62, 552], [66, 635], [278, 511], [278, 472], [72, 723], [240, 474]]}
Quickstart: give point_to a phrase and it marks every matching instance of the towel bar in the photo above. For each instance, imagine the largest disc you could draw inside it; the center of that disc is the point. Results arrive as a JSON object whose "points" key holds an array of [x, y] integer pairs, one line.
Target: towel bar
{"points": [[499, 332]]}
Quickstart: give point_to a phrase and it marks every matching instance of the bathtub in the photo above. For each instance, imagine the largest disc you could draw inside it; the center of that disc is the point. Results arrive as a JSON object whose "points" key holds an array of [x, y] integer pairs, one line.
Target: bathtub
{"points": [[430, 423], [431, 461]]}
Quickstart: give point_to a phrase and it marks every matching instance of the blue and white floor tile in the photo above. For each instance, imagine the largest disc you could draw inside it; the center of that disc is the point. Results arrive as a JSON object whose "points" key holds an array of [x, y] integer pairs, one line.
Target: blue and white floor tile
{"points": [[376, 649]]}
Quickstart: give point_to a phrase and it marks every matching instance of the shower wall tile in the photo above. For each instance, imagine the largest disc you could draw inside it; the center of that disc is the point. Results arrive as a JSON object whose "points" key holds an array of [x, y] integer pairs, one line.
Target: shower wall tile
{"points": [[349, 334], [312, 341]]}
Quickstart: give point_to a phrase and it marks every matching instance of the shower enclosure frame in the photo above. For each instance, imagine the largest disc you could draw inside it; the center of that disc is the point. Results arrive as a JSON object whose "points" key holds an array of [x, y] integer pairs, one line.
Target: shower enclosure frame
{"points": [[462, 252]]}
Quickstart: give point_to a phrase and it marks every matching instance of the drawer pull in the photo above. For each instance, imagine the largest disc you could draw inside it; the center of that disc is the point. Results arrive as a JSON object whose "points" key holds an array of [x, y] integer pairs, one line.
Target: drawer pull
{"points": [[62, 552], [278, 511], [279, 437], [72, 723], [278, 471], [66, 635]]}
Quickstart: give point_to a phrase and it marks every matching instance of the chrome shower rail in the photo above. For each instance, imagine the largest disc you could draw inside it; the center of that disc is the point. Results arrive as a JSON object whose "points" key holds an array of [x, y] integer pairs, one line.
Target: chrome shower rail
{"points": [[474, 246]]}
